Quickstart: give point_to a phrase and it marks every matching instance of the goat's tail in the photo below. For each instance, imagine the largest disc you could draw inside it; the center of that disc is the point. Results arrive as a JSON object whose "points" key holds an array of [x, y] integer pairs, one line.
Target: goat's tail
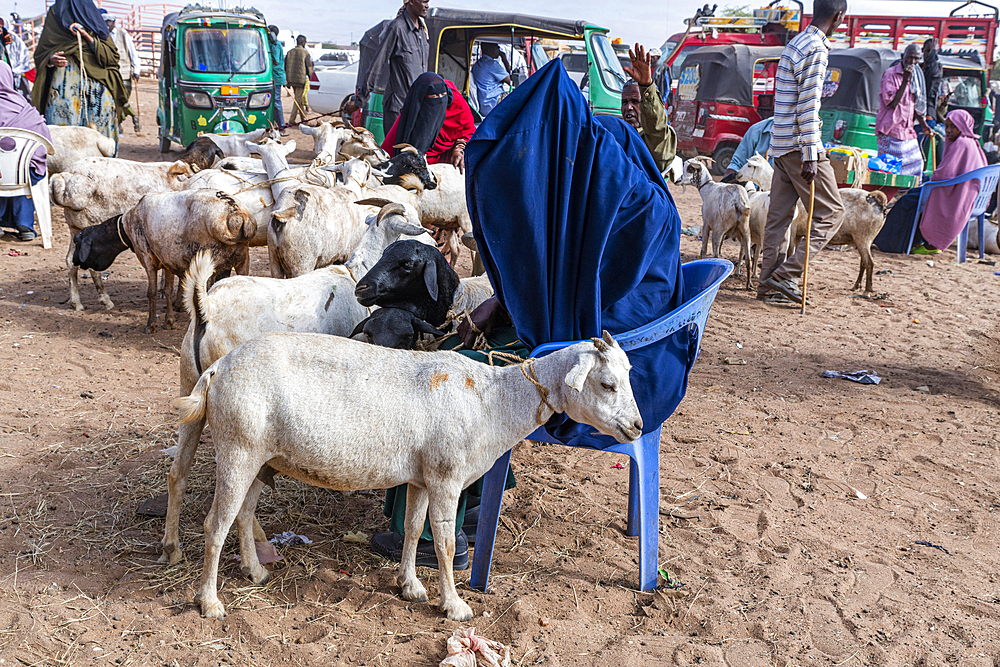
{"points": [[742, 205], [196, 302], [195, 406]]}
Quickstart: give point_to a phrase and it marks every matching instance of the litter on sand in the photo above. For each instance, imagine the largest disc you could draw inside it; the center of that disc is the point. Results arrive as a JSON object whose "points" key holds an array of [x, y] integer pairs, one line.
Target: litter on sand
{"points": [[169, 451], [863, 377], [467, 649], [734, 361], [289, 538], [690, 231], [925, 543], [357, 538]]}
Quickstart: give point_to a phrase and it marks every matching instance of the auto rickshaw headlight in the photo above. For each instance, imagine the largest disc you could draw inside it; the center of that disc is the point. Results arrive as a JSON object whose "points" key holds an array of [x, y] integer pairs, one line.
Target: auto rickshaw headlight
{"points": [[259, 100], [197, 99]]}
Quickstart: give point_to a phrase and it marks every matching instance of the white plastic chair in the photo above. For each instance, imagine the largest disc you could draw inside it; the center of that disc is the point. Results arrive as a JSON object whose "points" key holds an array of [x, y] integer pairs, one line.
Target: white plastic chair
{"points": [[15, 167]]}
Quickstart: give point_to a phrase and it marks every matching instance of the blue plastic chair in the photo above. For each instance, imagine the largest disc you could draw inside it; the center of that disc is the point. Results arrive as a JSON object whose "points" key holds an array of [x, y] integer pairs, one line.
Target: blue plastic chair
{"points": [[987, 177], [702, 279]]}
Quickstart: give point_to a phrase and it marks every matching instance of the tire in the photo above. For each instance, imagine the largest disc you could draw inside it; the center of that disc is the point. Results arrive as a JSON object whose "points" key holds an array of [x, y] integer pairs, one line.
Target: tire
{"points": [[164, 145], [722, 155]]}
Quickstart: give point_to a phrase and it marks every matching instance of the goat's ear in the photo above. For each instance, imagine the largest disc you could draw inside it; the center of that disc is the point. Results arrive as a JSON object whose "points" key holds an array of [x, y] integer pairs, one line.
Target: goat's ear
{"points": [[361, 327], [307, 129], [407, 228], [179, 168], [290, 147], [431, 279], [83, 250], [577, 375], [286, 214], [252, 147], [420, 326]]}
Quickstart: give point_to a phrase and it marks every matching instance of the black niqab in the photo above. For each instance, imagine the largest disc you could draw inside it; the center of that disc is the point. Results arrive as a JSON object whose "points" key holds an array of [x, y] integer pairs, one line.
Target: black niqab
{"points": [[423, 114], [85, 13]]}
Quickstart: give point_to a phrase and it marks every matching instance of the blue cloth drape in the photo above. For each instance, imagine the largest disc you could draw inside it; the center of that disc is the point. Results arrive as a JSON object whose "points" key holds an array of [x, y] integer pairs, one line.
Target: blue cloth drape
{"points": [[578, 233]]}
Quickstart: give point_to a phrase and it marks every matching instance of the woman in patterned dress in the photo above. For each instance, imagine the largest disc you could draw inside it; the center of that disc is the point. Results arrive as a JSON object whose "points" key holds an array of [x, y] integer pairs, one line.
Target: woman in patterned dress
{"points": [[66, 93]]}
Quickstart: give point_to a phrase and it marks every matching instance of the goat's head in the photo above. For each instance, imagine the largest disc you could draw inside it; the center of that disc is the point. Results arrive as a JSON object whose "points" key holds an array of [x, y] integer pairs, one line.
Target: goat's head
{"points": [[408, 272], [408, 161], [202, 153], [97, 246], [756, 170], [878, 202], [394, 327], [326, 133], [393, 221], [270, 147], [361, 143], [600, 392], [696, 171]]}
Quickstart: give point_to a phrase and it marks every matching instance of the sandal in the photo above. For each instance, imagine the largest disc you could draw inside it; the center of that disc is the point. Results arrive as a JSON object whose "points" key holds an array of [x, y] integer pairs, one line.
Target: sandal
{"points": [[924, 250]]}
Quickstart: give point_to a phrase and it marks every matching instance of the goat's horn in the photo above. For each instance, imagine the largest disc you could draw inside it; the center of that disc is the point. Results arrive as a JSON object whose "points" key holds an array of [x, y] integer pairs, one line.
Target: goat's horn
{"points": [[374, 201], [600, 344], [406, 148], [607, 338], [391, 208]]}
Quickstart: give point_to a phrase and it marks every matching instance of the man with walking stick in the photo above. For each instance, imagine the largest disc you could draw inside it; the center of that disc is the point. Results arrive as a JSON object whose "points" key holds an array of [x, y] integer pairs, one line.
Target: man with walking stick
{"points": [[801, 168]]}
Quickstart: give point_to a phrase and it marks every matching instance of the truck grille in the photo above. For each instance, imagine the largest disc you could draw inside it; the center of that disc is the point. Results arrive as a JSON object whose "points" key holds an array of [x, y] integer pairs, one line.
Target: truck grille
{"points": [[230, 102]]}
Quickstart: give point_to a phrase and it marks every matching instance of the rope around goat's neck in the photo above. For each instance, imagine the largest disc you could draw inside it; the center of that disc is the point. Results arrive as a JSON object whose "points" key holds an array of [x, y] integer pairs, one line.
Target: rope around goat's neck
{"points": [[118, 228], [527, 366]]}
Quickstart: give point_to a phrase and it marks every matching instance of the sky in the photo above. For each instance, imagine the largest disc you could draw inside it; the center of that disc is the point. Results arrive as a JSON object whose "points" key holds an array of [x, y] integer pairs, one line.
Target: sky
{"points": [[646, 21]]}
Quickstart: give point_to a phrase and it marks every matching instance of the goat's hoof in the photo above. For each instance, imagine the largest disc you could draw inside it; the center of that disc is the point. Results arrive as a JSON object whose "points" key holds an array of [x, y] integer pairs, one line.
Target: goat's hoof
{"points": [[258, 575], [108, 304], [459, 611], [168, 325], [171, 556], [213, 609], [150, 328], [414, 592], [76, 305]]}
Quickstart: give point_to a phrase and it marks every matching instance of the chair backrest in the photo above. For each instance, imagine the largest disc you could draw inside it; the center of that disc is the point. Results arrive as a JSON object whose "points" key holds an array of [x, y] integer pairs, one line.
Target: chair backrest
{"points": [[988, 177], [17, 147]]}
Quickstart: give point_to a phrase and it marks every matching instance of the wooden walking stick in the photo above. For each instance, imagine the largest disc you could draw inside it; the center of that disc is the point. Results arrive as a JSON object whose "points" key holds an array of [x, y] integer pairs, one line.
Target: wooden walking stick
{"points": [[138, 114], [809, 229]]}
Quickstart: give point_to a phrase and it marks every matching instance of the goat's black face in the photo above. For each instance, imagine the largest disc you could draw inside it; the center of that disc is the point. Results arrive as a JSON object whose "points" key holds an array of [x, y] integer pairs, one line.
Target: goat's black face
{"points": [[98, 246], [406, 271], [408, 162]]}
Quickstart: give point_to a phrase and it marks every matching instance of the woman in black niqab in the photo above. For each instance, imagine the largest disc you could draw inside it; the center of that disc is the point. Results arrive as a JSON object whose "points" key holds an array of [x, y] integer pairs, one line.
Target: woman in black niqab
{"points": [[423, 112]]}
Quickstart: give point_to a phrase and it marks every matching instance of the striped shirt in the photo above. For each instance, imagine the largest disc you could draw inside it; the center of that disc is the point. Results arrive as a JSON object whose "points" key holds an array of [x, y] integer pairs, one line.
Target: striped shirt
{"points": [[797, 92]]}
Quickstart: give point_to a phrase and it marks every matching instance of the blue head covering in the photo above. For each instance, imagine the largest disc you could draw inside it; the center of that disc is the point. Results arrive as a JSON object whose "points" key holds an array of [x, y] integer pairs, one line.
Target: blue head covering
{"points": [[578, 233]]}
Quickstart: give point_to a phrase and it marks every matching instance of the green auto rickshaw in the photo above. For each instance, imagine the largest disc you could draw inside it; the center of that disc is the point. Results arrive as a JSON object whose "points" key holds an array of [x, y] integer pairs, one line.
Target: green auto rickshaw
{"points": [[215, 74], [453, 33]]}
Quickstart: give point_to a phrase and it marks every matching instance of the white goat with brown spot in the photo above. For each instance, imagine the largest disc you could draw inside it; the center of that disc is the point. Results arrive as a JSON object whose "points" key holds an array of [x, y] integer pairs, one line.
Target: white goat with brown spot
{"points": [[341, 414]]}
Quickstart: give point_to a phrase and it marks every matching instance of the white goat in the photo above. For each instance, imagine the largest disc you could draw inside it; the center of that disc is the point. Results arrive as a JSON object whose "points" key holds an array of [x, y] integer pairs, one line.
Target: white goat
{"points": [[73, 144], [93, 190], [328, 137], [311, 226], [864, 215], [445, 206], [167, 229], [235, 144], [725, 209], [362, 144], [293, 404]]}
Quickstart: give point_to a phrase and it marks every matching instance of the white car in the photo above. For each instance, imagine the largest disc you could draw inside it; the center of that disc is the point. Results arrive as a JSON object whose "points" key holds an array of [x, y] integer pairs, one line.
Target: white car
{"points": [[330, 88]]}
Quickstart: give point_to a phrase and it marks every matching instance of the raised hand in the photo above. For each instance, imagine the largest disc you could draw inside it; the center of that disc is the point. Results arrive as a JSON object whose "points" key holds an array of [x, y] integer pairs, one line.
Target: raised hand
{"points": [[641, 70]]}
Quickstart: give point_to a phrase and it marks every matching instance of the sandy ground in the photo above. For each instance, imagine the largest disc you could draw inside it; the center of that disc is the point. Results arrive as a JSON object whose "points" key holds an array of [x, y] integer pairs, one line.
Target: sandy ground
{"points": [[791, 505]]}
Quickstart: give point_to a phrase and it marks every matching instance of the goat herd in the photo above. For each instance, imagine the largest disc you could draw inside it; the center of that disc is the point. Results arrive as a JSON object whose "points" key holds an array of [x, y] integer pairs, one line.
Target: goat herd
{"points": [[345, 234], [267, 361]]}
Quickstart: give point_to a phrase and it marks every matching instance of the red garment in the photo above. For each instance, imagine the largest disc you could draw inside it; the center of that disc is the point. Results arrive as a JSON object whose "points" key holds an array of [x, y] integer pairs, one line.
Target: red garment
{"points": [[458, 124]]}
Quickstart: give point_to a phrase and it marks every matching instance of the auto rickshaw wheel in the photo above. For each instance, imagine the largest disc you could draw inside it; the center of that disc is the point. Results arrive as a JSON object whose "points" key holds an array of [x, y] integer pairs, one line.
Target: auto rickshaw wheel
{"points": [[164, 145], [721, 157]]}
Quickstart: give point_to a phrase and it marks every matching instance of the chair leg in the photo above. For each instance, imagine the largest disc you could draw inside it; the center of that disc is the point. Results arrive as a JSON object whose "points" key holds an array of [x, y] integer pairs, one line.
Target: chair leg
{"points": [[963, 243], [489, 516], [634, 484], [648, 473], [43, 210], [982, 233]]}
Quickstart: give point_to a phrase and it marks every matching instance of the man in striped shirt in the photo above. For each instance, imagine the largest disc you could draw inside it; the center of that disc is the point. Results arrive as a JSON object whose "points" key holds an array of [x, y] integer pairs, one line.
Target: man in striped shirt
{"points": [[799, 158]]}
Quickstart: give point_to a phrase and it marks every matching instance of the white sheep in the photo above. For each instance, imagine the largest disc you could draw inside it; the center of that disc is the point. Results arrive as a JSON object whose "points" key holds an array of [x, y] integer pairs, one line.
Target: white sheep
{"points": [[74, 143], [725, 210], [346, 415], [362, 144], [445, 207], [93, 190]]}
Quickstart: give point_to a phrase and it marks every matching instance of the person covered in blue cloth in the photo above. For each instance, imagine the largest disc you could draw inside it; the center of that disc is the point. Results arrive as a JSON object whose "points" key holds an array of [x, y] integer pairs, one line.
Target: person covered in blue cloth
{"points": [[18, 213], [603, 254]]}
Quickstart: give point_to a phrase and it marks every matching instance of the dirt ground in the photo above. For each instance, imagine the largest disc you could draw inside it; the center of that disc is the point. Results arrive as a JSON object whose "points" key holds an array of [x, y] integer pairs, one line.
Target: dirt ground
{"points": [[792, 508]]}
